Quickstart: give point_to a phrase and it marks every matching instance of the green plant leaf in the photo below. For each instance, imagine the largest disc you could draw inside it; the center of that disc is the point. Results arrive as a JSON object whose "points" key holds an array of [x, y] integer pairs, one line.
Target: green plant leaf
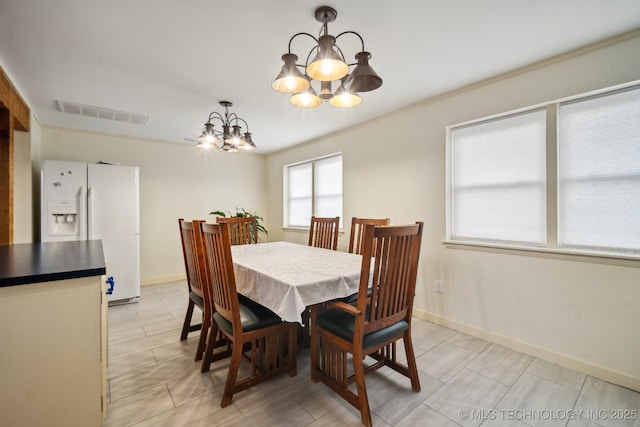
{"points": [[243, 213]]}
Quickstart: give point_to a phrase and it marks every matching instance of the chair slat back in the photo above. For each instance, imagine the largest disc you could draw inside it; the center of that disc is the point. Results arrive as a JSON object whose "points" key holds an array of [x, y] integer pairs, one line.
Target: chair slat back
{"points": [[357, 231], [193, 252], [219, 265], [242, 230], [394, 252], [323, 232]]}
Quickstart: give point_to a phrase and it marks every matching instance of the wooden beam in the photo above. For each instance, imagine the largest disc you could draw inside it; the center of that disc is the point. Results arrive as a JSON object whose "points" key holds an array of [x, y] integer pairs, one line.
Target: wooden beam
{"points": [[14, 115], [11, 99], [6, 177]]}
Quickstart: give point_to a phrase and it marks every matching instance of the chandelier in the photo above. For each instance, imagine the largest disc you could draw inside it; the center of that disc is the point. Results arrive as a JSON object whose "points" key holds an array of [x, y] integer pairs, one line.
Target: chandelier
{"points": [[231, 138], [337, 85]]}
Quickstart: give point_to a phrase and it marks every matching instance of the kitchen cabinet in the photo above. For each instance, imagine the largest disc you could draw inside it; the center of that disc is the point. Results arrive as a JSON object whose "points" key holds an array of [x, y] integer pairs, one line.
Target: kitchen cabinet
{"points": [[53, 334]]}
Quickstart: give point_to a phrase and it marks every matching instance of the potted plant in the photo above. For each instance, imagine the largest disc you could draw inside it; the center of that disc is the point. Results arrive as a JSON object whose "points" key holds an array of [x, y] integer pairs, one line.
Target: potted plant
{"points": [[242, 213]]}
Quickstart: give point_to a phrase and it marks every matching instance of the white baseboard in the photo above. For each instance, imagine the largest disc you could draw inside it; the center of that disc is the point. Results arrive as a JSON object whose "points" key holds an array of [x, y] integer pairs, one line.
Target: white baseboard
{"points": [[564, 360]]}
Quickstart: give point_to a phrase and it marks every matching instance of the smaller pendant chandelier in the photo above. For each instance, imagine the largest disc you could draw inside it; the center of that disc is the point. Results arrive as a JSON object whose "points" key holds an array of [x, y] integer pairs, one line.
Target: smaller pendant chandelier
{"points": [[231, 138], [329, 67]]}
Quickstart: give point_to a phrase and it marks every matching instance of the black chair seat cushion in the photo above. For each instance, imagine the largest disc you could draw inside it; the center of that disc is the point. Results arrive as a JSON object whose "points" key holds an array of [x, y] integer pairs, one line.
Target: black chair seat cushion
{"points": [[197, 299], [353, 298], [252, 316], [341, 323]]}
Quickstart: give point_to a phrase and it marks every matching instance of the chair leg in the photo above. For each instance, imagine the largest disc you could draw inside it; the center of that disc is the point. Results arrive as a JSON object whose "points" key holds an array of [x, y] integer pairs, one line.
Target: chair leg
{"points": [[306, 327], [315, 343], [232, 375], [204, 331], [187, 320], [411, 361], [293, 350], [215, 339], [208, 350], [358, 370]]}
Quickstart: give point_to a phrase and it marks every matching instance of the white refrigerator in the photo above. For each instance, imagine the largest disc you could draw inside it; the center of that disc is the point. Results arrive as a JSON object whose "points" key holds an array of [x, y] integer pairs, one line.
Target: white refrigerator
{"points": [[96, 201]]}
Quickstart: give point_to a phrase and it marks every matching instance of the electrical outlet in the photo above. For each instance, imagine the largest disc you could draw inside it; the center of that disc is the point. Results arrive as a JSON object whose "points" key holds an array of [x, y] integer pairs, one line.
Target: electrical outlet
{"points": [[439, 286]]}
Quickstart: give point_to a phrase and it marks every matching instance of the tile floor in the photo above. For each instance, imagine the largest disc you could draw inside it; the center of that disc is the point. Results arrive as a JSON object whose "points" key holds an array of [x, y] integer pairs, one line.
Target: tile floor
{"points": [[153, 381]]}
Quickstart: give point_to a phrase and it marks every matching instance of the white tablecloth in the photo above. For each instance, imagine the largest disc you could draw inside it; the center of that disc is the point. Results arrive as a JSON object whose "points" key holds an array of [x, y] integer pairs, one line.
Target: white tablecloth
{"points": [[287, 277]]}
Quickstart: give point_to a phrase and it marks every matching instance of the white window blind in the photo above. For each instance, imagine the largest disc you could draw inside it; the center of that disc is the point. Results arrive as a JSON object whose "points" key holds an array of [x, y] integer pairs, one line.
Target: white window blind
{"points": [[328, 187], [599, 173], [313, 188], [300, 194], [497, 178]]}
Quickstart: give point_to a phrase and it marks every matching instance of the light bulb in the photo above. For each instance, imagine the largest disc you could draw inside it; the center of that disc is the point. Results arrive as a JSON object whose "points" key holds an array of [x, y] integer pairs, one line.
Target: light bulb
{"points": [[345, 99], [306, 99], [290, 82], [325, 67]]}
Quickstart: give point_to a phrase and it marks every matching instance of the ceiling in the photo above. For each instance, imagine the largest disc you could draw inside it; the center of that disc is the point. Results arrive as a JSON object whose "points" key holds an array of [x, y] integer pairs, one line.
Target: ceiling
{"points": [[174, 60]]}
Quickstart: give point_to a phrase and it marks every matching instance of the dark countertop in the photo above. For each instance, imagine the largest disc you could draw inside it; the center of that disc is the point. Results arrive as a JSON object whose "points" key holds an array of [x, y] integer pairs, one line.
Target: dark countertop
{"points": [[44, 262]]}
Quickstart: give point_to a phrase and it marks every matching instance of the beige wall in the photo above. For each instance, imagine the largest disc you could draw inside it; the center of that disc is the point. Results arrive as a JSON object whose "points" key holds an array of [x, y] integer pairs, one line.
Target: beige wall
{"points": [[582, 315], [176, 180], [22, 208], [25, 193]]}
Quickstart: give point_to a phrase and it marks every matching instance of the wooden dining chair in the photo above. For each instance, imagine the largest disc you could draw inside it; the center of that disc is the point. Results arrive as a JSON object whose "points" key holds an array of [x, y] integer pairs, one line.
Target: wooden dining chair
{"points": [[356, 240], [323, 232], [242, 230], [357, 228], [256, 334], [199, 292], [197, 282], [374, 325]]}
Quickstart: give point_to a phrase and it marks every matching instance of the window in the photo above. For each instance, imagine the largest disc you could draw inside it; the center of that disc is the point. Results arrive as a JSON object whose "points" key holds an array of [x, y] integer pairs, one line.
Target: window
{"points": [[563, 177], [498, 180], [313, 187], [599, 172]]}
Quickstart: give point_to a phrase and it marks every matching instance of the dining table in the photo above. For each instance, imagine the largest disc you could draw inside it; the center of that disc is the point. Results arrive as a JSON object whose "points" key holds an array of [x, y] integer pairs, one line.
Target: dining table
{"points": [[288, 277]]}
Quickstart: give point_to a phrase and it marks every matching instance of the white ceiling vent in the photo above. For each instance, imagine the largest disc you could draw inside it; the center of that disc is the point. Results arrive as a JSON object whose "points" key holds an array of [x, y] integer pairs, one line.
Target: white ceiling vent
{"points": [[101, 113]]}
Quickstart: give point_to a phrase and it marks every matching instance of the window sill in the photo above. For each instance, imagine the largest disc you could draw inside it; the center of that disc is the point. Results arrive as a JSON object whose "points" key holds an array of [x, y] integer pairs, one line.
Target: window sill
{"points": [[558, 254], [304, 229], [295, 229]]}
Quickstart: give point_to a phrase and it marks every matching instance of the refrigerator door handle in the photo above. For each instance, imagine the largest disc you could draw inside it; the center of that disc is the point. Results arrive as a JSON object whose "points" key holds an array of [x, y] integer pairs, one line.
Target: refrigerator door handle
{"points": [[82, 213], [91, 214]]}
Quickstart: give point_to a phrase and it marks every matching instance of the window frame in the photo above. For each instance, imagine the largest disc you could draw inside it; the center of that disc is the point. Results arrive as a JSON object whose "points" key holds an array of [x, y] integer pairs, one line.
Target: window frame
{"points": [[285, 200], [552, 248]]}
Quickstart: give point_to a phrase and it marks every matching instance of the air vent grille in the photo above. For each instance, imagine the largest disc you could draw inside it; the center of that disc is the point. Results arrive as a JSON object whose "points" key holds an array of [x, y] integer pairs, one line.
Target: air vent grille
{"points": [[101, 113]]}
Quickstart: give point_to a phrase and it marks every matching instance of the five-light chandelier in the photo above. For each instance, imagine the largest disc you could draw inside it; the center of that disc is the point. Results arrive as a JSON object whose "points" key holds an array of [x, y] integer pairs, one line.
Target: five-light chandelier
{"points": [[329, 67], [231, 138]]}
